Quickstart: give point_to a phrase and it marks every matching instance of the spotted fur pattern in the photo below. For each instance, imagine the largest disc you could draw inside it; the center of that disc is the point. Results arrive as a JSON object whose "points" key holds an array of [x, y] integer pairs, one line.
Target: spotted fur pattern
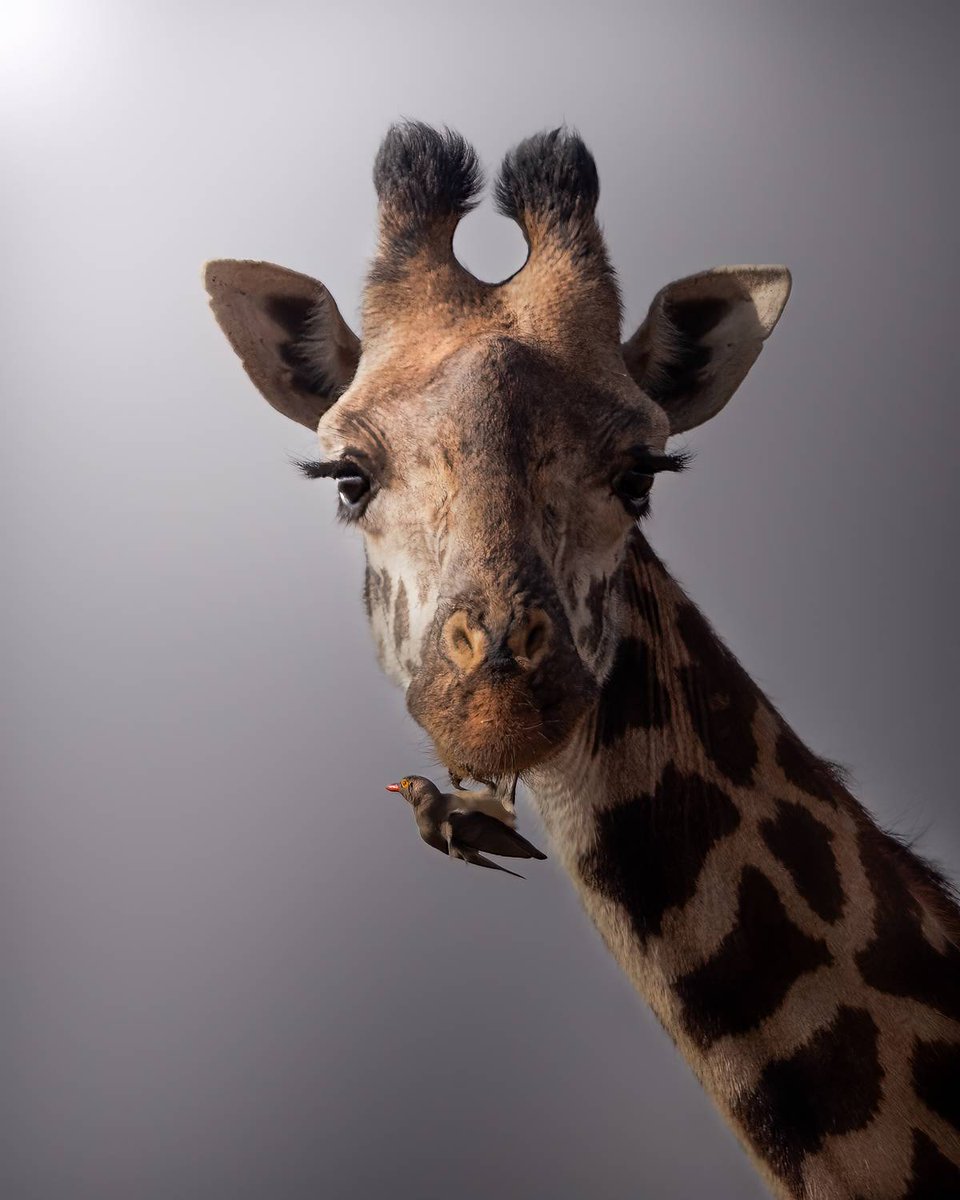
{"points": [[803, 962], [806, 964]]}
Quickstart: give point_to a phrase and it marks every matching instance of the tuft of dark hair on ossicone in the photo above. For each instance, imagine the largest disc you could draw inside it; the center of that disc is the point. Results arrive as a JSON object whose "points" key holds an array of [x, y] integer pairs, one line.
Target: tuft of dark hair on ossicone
{"points": [[422, 173], [551, 174]]}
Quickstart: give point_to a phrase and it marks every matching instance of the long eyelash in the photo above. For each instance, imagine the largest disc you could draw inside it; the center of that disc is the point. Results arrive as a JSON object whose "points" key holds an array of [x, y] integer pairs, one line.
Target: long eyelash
{"points": [[648, 463], [334, 469]]}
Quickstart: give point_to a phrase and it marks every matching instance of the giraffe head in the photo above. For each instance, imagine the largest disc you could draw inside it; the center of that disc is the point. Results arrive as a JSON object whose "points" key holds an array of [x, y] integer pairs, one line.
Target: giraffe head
{"points": [[495, 444]]}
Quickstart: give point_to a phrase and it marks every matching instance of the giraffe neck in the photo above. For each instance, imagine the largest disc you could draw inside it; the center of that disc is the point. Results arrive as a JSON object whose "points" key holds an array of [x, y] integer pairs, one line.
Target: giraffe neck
{"points": [[805, 963]]}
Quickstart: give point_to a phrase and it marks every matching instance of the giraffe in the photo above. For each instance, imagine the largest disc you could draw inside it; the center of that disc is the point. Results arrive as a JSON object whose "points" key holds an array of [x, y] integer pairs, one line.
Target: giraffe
{"points": [[496, 445]]}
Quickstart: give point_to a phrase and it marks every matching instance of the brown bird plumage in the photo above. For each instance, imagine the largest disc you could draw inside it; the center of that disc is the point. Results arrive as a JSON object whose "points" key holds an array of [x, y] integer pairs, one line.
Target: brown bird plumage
{"points": [[464, 826]]}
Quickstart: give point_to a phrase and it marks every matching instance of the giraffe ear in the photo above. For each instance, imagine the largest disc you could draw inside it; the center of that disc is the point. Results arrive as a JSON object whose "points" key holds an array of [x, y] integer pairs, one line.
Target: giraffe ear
{"points": [[702, 335], [288, 332]]}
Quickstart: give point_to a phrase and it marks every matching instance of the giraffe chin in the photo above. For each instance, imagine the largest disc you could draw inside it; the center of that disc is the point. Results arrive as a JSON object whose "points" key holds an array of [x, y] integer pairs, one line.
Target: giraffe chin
{"points": [[495, 729]]}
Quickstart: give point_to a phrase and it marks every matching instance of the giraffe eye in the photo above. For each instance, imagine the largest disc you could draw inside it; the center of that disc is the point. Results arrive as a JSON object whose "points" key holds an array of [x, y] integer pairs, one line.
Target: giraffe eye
{"points": [[633, 488], [354, 492], [354, 485]]}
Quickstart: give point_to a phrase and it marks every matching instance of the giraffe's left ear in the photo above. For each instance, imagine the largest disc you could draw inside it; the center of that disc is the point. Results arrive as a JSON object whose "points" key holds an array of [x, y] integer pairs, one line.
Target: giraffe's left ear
{"points": [[702, 335]]}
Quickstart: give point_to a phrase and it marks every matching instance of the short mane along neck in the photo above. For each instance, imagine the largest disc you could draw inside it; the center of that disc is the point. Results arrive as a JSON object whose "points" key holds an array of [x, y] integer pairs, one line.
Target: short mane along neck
{"points": [[805, 963], [494, 443]]}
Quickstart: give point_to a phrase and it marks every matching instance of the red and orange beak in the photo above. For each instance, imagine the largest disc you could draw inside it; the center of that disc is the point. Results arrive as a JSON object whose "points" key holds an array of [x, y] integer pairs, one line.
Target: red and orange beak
{"points": [[394, 787]]}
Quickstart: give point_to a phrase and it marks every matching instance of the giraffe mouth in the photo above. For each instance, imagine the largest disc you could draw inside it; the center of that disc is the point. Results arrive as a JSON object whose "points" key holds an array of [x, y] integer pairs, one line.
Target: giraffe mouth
{"points": [[489, 728]]}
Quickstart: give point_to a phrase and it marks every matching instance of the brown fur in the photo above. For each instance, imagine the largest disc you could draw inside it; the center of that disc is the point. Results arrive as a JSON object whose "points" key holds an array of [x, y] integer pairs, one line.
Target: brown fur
{"points": [[806, 963]]}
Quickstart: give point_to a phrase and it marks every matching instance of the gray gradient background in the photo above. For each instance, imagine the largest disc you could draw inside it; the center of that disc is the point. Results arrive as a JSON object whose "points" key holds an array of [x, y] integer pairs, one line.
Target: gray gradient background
{"points": [[230, 969]]}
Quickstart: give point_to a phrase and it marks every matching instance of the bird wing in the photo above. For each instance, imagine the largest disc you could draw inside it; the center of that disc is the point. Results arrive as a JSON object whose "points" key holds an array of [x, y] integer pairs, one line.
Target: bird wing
{"points": [[432, 835], [491, 806], [491, 835], [468, 855], [472, 856]]}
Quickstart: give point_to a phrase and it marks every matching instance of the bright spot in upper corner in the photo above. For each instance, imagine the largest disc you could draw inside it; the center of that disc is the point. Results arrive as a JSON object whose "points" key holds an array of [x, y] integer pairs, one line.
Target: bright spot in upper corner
{"points": [[40, 41]]}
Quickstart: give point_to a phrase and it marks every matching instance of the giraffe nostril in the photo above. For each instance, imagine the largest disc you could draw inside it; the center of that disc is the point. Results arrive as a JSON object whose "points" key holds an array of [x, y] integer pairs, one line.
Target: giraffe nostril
{"points": [[465, 645], [532, 640], [536, 637], [526, 643]]}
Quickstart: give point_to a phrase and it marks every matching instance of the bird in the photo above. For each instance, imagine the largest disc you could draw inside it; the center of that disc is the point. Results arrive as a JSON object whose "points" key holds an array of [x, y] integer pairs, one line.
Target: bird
{"points": [[461, 824]]}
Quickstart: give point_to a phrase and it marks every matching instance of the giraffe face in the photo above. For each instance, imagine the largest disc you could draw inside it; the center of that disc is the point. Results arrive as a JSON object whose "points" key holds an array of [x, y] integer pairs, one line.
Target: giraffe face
{"points": [[494, 513], [494, 443]]}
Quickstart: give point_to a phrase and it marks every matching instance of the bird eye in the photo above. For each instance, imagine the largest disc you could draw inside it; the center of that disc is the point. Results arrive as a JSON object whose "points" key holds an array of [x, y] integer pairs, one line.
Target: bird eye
{"points": [[633, 488], [404, 782]]}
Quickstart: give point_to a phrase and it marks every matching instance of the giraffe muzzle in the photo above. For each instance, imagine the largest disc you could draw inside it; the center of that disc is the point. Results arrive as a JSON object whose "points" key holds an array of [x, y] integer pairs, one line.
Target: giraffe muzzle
{"points": [[500, 694]]}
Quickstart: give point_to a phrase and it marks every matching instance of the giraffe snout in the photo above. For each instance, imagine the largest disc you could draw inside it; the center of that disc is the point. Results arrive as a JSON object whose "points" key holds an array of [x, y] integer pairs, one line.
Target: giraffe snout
{"points": [[501, 684], [519, 644]]}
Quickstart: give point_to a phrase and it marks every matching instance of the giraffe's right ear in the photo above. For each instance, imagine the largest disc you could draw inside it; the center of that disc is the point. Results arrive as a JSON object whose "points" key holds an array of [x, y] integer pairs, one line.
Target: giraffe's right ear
{"points": [[288, 332]]}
